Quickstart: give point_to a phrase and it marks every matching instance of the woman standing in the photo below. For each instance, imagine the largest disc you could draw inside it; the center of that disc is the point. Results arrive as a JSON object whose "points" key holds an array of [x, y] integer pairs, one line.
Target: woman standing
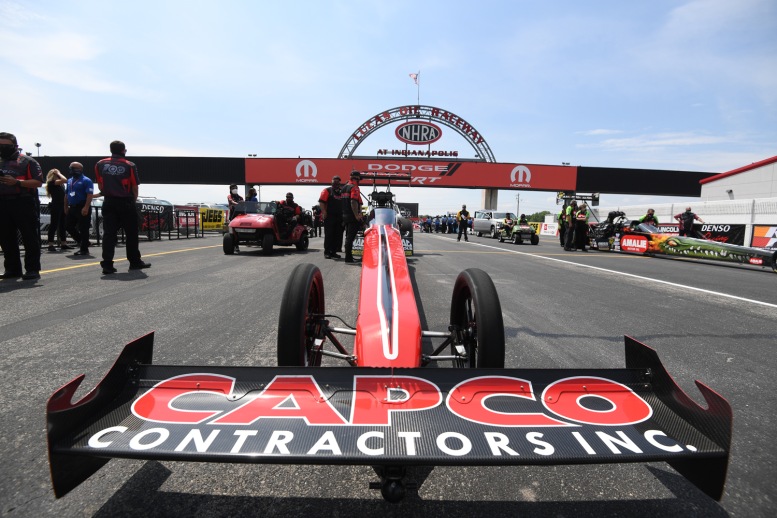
{"points": [[233, 198], [54, 190]]}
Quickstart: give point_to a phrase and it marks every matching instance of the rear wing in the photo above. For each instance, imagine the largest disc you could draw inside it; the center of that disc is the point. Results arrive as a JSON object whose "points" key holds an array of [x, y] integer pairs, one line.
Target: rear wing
{"points": [[385, 417]]}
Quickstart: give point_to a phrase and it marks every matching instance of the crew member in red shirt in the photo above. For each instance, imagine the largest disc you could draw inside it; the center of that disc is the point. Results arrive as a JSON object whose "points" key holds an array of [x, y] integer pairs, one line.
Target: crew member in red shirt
{"points": [[352, 213], [118, 180], [291, 212]]}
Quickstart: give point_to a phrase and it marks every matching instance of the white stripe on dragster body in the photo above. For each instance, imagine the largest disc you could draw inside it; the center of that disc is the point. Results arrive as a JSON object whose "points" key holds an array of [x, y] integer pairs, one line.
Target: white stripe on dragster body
{"points": [[389, 336]]}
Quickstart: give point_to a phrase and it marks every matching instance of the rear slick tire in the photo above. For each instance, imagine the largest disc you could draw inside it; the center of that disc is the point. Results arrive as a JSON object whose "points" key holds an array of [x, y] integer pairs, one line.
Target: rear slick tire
{"points": [[475, 308], [303, 298]]}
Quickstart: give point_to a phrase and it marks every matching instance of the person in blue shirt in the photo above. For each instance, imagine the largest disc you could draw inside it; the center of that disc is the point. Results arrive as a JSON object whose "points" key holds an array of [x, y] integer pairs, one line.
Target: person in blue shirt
{"points": [[78, 206], [252, 195]]}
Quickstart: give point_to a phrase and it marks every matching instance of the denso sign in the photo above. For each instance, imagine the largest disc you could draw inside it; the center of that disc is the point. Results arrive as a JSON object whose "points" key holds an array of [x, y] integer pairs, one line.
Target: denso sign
{"points": [[418, 132]]}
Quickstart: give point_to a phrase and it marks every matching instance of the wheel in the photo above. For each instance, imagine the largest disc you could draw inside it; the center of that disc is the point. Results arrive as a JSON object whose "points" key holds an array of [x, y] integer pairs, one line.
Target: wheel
{"points": [[229, 244], [479, 234], [774, 262], [517, 238], [304, 242], [476, 310], [501, 237], [535, 239], [493, 232], [267, 242], [303, 298]]}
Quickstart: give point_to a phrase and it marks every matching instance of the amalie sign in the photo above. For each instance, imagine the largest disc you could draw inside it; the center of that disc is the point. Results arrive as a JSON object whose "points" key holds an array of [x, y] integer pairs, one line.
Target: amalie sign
{"points": [[425, 173]]}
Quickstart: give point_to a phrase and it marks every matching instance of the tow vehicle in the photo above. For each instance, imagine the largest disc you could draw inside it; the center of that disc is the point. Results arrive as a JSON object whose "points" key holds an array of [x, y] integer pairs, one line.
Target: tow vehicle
{"points": [[518, 233], [386, 407], [265, 224]]}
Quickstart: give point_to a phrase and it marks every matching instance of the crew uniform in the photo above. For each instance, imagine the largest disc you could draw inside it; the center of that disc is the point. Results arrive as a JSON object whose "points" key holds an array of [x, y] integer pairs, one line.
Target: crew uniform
{"points": [[19, 210], [117, 178], [332, 199], [291, 210], [352, 221]]}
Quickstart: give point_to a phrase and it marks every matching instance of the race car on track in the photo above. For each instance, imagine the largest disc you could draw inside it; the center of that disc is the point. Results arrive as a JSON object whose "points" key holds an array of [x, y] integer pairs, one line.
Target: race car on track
{"points": [[265, 224], [386, 408], [618, 234], [386, 200]]}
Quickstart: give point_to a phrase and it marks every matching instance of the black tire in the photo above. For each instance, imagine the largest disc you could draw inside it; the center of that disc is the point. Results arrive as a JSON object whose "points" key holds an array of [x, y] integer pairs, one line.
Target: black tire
{"points": [[229, 244], [302, 297], [475, 308], [304, 242], [493, 233], [267, 242], [517, 238], [535, 239], [774, 262], [479, 234]]}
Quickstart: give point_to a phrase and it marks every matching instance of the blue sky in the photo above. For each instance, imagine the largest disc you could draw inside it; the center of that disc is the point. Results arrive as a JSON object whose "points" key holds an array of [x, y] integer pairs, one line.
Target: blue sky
{"points": [[688, 85]]}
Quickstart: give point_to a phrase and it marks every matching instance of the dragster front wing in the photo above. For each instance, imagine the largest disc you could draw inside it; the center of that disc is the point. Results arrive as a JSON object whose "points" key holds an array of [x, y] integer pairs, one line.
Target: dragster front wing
{"points": [[388, 417]]}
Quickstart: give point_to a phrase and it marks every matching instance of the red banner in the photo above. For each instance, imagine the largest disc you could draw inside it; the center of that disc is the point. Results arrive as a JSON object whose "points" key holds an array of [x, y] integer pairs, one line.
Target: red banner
{"points": [[424, 173]]}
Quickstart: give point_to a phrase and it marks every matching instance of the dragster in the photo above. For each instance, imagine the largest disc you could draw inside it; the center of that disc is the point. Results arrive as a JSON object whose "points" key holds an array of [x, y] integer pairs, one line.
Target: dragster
{"points": [[618, 234], [386, 407]]}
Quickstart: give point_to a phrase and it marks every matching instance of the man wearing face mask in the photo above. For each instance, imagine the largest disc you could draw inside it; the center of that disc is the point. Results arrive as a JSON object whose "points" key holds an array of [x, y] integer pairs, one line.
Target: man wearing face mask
{"points": [[78, 206], [20, 177], [118, 180], [233, 198]]}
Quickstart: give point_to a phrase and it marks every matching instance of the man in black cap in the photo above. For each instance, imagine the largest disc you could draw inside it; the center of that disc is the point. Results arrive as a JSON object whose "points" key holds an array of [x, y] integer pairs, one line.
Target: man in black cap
{"points": [[118, 180], [291, 212], [352, 213], [20, 177], [331, 203]]}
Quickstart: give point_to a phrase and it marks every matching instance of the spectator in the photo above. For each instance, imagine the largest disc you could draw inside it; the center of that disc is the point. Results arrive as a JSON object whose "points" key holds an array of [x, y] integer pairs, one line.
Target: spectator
{"points": [[686, 220], [561, 220], [78, 206], [252, 195], [54, 190], [317, 223], [20, 177]]}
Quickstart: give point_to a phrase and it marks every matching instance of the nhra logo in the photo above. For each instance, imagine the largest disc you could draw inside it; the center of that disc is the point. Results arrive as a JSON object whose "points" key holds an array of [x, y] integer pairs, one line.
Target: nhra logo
{"points": [[520, 176], [756, 260], [637, 244], [418, 132]]}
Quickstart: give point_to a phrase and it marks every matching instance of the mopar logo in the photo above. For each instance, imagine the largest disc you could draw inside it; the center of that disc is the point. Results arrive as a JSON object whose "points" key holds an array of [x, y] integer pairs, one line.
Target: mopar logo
{"points": [[521, 173], [418, 132], [306, 169]]}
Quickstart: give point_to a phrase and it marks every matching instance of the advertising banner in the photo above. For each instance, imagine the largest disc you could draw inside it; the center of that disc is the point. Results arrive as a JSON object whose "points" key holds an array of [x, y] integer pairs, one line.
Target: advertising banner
{"points": [[212, 219], [423, 173], [764, 236], [549, 229], [722, 233]]}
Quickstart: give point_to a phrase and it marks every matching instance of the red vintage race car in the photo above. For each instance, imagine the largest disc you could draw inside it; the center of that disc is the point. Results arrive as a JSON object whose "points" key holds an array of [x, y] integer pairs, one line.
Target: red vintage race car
{"points": [[386, 408], [265, 224]]}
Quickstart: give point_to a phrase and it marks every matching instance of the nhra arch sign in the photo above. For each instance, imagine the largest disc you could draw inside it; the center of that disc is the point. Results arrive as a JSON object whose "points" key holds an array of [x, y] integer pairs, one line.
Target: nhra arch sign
{"points": [[423, 173]]}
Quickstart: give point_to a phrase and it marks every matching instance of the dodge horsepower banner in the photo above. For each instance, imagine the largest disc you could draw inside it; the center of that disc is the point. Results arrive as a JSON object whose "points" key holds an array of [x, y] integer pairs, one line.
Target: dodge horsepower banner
{"points": [[424, 173]]}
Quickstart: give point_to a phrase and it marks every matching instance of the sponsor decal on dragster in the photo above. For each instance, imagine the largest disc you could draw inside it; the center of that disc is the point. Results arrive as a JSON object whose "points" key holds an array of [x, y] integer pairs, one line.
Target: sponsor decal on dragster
{"points": [[358, 245], [765, 236], [391, 415]]}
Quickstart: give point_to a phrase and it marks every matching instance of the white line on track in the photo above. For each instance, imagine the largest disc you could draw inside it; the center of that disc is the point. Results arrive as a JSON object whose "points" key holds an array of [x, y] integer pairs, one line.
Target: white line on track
{"points": [[658, 281]]}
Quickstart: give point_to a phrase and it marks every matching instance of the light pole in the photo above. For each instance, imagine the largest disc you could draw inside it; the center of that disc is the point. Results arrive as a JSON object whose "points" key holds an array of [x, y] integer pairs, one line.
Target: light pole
{"points": [[517, 204], [37, 145]]}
